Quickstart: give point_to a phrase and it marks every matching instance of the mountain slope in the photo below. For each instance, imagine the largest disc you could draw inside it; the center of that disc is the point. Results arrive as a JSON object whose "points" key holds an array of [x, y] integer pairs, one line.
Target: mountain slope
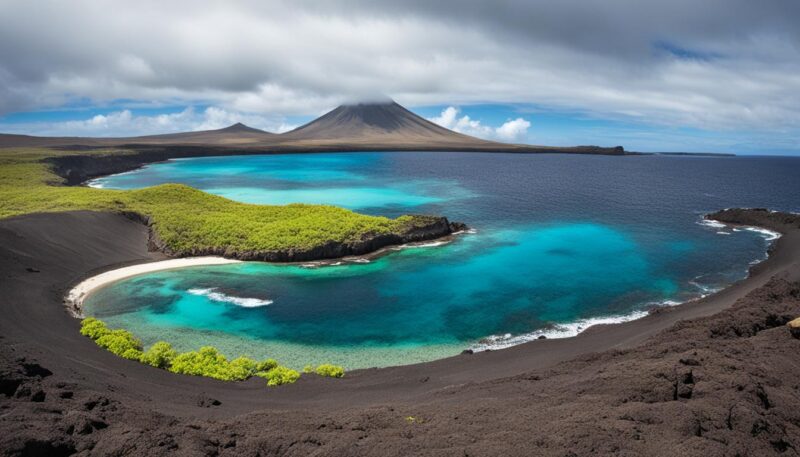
{"points": [[382, 122], [237, 134]]}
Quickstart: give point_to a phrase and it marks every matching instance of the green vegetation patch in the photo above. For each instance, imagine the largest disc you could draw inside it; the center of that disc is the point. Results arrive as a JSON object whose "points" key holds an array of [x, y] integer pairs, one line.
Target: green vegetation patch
{"points": [[187, 220], [206, 361], [330, 371], [160, 355], [122, 343], [280, 375]]}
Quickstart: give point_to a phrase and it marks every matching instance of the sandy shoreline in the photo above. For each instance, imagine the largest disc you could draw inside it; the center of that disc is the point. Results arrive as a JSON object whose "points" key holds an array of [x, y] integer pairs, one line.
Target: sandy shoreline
{"points": [[75, 297], [593, 391]]}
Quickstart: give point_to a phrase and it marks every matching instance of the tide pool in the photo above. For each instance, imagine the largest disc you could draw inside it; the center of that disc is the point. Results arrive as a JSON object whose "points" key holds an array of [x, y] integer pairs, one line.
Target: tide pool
{"points": [[560, 242]]}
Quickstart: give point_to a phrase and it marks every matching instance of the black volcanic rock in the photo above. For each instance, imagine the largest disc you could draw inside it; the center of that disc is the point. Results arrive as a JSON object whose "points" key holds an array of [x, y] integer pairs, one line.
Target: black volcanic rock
{"points": [[760, 217]]}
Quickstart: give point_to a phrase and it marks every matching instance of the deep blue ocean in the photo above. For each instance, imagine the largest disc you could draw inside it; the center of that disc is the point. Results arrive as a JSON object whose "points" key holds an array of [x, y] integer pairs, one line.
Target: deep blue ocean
{"points": [[560, 242]]}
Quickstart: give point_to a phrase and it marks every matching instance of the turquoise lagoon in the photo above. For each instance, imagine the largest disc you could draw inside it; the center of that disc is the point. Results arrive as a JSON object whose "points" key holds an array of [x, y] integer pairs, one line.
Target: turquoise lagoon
{"points": [[558, 243]]}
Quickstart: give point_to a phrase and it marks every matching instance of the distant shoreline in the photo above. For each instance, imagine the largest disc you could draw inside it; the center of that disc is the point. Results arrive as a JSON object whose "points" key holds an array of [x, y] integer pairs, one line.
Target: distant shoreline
{"points": [[694, 154], [77, 169]]}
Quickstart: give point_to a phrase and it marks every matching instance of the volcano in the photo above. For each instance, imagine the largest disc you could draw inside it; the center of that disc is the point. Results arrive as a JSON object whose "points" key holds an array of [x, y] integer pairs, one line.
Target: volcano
{"points": [[381, 123]]}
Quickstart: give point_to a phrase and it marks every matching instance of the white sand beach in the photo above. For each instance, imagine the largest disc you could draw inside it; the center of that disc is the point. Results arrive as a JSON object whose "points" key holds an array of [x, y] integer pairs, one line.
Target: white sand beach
{"points": [[74, 299]]}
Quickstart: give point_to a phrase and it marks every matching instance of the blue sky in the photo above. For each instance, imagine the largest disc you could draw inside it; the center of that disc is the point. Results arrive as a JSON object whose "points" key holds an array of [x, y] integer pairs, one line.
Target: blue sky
{"points": [[710, 76]]}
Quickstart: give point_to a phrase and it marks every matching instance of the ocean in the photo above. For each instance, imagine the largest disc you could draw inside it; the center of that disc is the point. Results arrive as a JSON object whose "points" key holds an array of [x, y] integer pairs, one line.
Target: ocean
{"points": [[557, 243]]}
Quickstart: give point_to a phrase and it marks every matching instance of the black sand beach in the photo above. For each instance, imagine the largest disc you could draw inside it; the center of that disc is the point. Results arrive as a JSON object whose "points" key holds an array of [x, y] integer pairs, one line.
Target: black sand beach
{"points": [[714, 377]]}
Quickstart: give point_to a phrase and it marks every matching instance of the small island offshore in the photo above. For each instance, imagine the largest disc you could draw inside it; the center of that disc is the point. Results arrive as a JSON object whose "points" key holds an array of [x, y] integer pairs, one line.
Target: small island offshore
{"points": [[220, 237]]}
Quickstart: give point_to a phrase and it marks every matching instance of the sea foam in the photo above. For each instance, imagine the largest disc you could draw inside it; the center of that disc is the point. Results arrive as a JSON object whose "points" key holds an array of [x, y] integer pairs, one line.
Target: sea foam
{"points": [[423, 244], [556, 331], [711, 223], [244, 302], [768, 235], [567, 330], [704, 288]]}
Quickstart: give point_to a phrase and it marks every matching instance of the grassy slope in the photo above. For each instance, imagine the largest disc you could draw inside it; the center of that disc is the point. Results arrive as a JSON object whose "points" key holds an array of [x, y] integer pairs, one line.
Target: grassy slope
{"points": [[183, 217]]}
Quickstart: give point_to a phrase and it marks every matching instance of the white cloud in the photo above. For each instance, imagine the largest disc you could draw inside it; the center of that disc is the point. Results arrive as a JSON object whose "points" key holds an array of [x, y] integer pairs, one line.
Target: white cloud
{"points": [[125, 123], [513, 130], [727, 65]]}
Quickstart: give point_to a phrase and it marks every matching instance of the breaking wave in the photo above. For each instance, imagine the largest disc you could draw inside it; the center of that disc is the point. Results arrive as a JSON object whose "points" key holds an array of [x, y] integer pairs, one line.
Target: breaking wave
{"points": [[244, 302]]}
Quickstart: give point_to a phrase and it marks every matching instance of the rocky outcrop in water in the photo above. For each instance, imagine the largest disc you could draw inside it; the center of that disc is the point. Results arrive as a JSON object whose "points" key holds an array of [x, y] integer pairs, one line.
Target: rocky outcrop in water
{"points": [[757, 217]]}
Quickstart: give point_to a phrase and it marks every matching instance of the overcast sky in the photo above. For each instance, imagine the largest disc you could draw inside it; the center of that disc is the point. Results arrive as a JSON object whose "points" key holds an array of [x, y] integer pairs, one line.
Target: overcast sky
{"points": [[682, 74]]}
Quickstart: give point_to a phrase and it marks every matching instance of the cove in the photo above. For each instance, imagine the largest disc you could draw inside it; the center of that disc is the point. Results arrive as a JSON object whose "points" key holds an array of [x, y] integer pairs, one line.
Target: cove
{"points": [[559, 241]]}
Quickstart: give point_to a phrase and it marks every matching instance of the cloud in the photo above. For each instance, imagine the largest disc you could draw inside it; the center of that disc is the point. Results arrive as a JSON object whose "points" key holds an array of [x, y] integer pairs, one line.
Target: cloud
{"points": [[513, 130], [717, 64], [124, 123]]}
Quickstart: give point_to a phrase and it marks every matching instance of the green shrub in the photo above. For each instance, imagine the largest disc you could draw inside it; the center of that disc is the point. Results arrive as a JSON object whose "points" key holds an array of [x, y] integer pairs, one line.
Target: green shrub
{"points": [[266, 365], [207, 361], [308, 369], [121, 343], [93, 328], [160, 355], [281, 375], [330, 371], [243, 368]]}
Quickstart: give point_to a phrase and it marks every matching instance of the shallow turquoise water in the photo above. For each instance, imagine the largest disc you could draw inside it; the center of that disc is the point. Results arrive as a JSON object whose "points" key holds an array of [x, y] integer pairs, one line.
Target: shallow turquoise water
{"points": [[331, 179], [354, 198], [560, 241]]}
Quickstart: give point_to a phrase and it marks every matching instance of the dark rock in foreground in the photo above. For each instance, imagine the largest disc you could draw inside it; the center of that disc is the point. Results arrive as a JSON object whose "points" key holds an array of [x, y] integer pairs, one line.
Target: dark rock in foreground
{"points": [[794, 327]]}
